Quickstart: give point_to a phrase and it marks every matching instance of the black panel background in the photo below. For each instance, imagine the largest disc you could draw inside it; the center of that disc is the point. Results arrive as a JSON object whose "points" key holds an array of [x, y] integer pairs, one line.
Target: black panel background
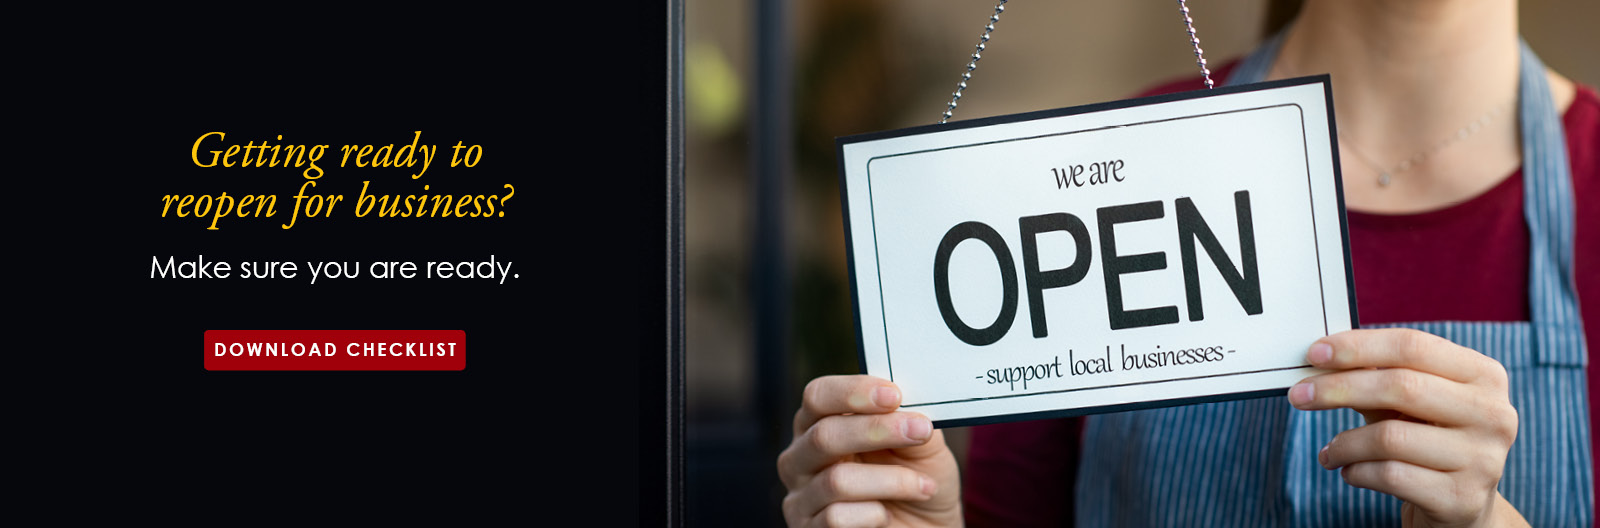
{"points": [[545, 422]]}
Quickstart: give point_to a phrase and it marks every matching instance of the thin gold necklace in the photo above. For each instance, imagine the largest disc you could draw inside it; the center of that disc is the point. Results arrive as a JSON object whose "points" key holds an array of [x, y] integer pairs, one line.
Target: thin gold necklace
{"points": [[1385, 175]]}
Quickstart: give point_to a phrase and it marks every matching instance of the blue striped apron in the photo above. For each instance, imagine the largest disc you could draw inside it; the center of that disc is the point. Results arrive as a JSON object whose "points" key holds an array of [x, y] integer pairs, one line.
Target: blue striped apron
{"points": [[1254, 462]]}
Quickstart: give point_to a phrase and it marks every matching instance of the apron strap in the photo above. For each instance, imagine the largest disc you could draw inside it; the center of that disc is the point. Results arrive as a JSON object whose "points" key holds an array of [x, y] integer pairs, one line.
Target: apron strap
{"points": [[1253, 68], [1547, 205]]}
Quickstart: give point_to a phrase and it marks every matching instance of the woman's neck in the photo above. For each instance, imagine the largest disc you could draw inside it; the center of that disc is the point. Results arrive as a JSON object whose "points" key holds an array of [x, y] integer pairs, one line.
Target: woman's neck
{"points": [[1407, 76]]}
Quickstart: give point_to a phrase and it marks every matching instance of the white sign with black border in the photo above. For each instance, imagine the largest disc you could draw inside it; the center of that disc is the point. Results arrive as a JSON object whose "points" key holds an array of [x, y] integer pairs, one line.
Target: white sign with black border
{"points": [[1169, 250]]}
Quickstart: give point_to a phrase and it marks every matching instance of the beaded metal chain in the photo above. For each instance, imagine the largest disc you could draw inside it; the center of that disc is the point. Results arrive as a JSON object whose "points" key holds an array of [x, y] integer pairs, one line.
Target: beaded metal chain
{"points": [[983, 41]]}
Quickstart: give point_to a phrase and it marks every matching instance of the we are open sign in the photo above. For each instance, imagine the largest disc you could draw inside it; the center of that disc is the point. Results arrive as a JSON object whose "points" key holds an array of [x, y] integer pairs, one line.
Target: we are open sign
{"points": [[1161, 251]]}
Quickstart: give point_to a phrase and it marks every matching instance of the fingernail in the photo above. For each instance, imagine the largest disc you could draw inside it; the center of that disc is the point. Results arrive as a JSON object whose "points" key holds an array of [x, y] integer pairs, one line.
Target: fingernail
{"points": [[1322, 457], [919, 428], [1300, 394], [1320, 353], [887, 397], [929, 486]]}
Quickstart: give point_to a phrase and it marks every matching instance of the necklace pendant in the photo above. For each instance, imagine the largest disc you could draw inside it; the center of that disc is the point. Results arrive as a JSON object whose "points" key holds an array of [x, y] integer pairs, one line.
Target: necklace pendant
{"points": [[1383, 179]]}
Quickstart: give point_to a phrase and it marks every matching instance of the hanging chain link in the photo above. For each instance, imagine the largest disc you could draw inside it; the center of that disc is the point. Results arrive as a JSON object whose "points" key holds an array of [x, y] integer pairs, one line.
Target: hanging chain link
{"points": [[1199, 54], [977, 54], [1188, 23]]}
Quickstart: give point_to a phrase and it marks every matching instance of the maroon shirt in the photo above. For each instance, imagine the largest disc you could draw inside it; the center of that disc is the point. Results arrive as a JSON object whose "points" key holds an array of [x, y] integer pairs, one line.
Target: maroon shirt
{"points": [[1465, 262]]}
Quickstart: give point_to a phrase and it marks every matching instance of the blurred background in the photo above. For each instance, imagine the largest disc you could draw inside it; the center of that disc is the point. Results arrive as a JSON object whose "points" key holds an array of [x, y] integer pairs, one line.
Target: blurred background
{"points": [[768, 86]]}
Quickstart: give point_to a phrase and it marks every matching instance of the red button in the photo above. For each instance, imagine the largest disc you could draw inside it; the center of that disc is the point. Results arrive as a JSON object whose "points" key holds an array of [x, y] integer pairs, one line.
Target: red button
{"points": [[336, 349]]}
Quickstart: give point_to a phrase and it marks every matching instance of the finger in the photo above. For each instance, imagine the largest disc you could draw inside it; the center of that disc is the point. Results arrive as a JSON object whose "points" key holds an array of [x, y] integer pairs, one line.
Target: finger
{"points": [[837, 436], [829, 395], [1403, 348], [1373, 416], [1414, 393], [852, 482], [852, 515], [934, 447], [1427, 446], [1433, 491]]}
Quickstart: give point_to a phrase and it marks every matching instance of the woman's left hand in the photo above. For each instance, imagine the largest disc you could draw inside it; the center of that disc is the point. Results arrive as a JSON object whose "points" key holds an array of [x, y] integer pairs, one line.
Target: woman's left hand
{"points": [[1439, 423]]}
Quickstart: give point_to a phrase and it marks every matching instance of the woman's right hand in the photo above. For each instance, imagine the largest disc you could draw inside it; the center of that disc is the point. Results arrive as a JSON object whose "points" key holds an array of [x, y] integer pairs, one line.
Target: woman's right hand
{"points": [[855, 461]]}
